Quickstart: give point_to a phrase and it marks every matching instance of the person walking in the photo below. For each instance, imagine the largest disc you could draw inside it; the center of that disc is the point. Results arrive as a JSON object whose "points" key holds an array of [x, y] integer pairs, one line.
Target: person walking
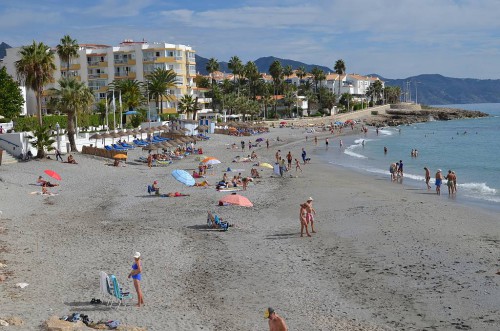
{"points": [[135, 274], [58, 155], [427, 177], [304, 154], [276, 322], [267, 143], [297, 166]]}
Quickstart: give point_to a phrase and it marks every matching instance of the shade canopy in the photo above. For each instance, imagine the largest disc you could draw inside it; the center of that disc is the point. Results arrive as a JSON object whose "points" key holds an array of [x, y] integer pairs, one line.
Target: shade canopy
{"points": [[237, 200], [53, 174], [184, 177]]}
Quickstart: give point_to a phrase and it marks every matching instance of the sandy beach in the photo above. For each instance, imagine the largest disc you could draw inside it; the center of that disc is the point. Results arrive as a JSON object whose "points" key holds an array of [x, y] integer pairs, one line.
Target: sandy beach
{"points": [[385, 256]]}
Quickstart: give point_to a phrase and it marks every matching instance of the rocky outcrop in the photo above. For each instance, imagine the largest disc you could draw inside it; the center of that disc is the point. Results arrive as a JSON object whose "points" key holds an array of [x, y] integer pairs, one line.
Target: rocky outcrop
{"points": [[405, 114]]}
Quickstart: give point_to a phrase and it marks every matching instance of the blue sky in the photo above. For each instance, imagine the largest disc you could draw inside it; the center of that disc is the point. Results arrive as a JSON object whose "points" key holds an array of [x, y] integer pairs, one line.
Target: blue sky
{"points": [[396, 39]]}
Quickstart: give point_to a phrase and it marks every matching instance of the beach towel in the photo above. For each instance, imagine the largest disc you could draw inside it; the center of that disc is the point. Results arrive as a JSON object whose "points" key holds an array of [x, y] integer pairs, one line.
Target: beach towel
{"points": [[230, 189]]}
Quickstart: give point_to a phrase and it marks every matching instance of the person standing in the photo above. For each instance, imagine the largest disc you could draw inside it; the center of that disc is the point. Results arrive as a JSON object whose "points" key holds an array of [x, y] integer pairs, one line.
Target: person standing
{"points": [[439, 180], [242, 145], [150, 160], [315, 140], [450, 182], [310, 213], [304, 154], [289, 158], [326, 142], [454, 181], [427, 177], [341, 143], [277, 155], [282, 166], [276, 322], [267, 143], [303, 220], [135, 274], [400, 168]]}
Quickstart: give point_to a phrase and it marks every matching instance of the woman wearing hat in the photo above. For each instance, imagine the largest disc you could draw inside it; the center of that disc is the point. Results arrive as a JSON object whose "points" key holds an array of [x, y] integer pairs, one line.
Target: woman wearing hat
{"points": [[136, 276]]}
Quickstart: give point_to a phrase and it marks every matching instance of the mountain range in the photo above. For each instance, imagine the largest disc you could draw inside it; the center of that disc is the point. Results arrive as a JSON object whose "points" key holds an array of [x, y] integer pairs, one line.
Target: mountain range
{"points": [[430, 89]]}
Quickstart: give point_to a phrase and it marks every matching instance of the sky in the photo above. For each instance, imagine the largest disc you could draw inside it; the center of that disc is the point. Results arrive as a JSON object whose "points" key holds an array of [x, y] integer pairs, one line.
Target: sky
{"points": [[392, 38]]}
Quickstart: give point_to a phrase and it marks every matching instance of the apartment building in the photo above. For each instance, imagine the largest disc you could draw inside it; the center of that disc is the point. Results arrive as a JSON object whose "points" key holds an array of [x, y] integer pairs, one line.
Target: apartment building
{"points": [[99, 65]]}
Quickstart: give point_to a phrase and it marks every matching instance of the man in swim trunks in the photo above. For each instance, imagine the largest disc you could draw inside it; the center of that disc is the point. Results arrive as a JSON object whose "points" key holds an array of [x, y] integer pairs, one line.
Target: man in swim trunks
{"points": [[276, 322], [310, 212], [439, 180], [289, 158]]}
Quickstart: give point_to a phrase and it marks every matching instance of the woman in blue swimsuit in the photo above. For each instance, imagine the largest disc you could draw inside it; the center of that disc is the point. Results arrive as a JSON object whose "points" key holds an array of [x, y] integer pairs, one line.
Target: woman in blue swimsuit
{"points": [[136, 276]]}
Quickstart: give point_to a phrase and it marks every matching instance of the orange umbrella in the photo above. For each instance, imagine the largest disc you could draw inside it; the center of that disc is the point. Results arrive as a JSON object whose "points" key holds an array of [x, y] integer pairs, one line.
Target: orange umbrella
{"points": [[120, 156], [236, 199], [208, 159]]}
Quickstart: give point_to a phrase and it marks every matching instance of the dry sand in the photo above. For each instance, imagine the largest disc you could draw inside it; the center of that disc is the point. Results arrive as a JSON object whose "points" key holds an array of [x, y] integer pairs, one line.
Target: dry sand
{"points": [[386, 256]]}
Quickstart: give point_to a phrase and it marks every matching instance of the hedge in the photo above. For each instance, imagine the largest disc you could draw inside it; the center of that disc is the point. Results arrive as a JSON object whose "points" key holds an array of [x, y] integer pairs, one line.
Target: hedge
{"points": [[84, 121]]}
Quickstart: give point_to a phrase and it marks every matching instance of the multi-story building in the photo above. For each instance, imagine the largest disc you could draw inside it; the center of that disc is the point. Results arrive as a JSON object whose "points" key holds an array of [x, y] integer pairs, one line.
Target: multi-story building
{"points": [[99, 65]]}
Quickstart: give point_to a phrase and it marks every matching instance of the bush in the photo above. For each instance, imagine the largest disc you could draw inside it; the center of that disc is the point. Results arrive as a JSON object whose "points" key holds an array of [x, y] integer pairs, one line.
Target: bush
{"points": [[374, 112]]}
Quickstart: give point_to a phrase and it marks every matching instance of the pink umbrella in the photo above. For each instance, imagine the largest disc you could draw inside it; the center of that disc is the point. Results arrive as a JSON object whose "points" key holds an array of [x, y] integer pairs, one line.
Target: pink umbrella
{"points": [[236, 199], [53, 174]]}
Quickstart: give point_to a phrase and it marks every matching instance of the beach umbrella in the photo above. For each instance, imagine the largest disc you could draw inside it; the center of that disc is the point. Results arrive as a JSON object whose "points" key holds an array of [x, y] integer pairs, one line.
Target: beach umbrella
{"points": [[259, 140], [184, 177], [210, 161], [96, 137], [131, 112], [265, 165], [52, 174], [283, 123], [120, 156], [236, 199], [209, 158]]}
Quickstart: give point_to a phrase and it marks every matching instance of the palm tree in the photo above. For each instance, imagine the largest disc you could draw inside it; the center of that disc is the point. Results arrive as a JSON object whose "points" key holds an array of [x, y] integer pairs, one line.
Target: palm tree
{"points": [[276, 71], [377, 89], [189, 104], [131, 91], [67, 49], [287, 71], [253, 75], [158, 84], [211, 67], [236, 67], [35, 69], [301, 73], [72, 97], [339, 70], [43, 141]]}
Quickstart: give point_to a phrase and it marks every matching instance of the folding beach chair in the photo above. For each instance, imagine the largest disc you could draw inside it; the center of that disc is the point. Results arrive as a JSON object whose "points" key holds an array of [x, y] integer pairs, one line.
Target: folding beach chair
{"points": [[214, 222], [106, 288], [117, 291]]}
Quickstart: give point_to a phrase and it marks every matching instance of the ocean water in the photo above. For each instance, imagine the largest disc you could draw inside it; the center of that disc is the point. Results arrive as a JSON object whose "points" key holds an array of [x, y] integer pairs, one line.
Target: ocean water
{"points": [[470, 147]]}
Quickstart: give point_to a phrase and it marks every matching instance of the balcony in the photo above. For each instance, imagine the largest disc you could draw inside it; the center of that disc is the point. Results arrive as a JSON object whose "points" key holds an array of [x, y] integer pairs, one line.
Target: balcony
{"points": [[204, 100], [103, 64], [131, 62], [131, 75]]}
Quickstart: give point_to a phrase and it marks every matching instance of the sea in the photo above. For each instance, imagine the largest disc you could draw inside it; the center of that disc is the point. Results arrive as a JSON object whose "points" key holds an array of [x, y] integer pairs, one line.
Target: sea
{"points": [[470, 147]]}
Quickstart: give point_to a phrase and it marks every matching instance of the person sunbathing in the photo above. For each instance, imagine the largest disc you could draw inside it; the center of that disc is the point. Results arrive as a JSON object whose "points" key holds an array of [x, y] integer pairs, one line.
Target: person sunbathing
{"points": [[42, 182], [175, 194], [71, 159], [197, 175], [202, 184]]}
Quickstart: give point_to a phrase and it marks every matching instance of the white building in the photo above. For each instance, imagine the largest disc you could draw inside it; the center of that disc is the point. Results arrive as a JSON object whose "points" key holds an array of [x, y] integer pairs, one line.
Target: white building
{"points": [[100, 65]]}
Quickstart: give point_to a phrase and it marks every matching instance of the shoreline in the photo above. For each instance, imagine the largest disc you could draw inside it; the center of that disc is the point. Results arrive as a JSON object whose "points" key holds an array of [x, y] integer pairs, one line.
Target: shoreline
{"points": [[383, 258]]}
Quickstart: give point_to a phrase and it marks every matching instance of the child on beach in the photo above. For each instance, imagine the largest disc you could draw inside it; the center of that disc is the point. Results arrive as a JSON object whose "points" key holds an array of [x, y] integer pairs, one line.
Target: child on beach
{"points": [[297, 165]]}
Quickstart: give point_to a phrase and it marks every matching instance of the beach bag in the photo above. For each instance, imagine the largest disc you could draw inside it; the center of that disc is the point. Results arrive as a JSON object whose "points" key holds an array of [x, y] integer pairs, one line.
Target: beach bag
{"points": [[113, 324]]}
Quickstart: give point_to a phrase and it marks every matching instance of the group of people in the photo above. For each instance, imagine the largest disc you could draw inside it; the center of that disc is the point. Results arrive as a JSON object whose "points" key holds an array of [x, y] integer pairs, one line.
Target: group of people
{"points": [[306, 216], [396, 170], [236, 181], [45, 185], [451, 183]]}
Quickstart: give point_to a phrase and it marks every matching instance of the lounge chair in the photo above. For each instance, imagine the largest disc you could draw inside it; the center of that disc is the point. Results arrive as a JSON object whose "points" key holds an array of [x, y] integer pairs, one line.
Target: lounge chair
{"points": [[117, 291], [214, 222], [124, 144], [119, 148], [106, 288], [108, 148]]}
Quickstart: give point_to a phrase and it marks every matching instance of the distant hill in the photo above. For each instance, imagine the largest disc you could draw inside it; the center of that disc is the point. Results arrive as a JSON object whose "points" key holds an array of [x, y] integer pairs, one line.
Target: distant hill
{"points": [[262, 63], [434, 89], [3, 49]]}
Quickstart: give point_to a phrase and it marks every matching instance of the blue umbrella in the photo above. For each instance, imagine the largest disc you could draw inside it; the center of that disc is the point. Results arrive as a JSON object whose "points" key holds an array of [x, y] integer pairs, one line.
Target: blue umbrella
{"points": [[132, 112], [184, 177]]}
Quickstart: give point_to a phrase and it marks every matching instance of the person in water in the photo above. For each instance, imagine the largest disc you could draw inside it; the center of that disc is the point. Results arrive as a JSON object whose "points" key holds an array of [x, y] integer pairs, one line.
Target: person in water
{"points": [[135, 274]]}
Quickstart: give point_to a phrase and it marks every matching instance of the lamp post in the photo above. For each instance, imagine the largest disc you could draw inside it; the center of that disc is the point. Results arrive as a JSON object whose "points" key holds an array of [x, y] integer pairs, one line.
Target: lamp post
{"points": [[416, 92], [58, 127]]}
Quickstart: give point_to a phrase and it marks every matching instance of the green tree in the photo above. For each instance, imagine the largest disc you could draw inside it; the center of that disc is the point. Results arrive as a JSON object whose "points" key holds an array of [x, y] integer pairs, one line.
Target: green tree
{"points": [[339, 70], [11, 100], [253, 76], [43, 141], [236, 68], [276, 71], [211, 67], [327, 99], [159, 82], [312, 99], [189, 104], [72, 97], [375, 90], [301, 73], [35, 69], [287, 71], [392, 94], [346, 100], [67, 49]]}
